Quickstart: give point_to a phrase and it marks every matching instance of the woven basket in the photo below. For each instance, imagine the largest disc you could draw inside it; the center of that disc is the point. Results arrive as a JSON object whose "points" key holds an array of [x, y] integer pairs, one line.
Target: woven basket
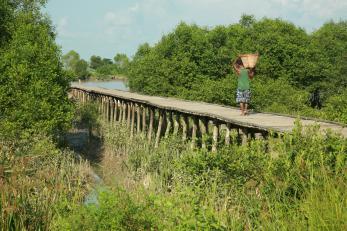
{"points": [[249, 60]]}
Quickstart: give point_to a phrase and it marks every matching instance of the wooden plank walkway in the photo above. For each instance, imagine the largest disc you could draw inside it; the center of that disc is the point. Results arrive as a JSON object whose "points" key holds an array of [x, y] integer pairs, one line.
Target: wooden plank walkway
{"points": [[261, 121]]}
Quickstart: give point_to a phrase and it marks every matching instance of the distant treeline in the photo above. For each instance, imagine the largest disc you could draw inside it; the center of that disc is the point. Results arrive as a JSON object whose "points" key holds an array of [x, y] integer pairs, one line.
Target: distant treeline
{"points": [[193, 62], [97, 67]]}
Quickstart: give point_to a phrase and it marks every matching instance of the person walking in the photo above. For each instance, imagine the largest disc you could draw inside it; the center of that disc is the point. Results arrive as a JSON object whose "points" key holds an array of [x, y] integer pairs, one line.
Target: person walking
{"points": [[243, 93]]}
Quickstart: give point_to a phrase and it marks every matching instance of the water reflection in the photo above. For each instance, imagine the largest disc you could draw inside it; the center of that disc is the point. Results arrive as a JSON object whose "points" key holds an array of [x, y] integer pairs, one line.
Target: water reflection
{"points": [[112, 84]]}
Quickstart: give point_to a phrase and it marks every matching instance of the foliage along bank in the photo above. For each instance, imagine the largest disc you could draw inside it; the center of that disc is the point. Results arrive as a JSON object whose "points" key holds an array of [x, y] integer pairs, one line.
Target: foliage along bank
{"points": [[33, 86], [297, 182], [36, 177], [97, 68], [193, 62]]}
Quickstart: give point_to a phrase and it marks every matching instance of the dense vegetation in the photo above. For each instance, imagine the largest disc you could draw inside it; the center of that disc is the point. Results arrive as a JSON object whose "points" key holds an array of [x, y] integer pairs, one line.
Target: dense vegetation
{"points": [[32, 83], [37, 180], [36, 177], [294, 182], [297, 182], [193, 62], [96, 68]]}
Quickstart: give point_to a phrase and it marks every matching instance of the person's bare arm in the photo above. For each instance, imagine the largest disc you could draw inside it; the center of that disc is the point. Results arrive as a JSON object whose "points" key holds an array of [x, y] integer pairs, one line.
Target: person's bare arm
{"points": [[236, 67], [251, 73]]}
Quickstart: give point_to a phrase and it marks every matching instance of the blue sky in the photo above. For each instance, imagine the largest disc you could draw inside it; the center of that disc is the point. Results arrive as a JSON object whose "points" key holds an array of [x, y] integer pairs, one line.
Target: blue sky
{"points": [[107, 27]]}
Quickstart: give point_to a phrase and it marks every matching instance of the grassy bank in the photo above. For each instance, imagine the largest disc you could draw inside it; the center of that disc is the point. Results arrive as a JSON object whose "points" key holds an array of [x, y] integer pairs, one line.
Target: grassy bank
{"points": [[37, 181], [297, 182]]}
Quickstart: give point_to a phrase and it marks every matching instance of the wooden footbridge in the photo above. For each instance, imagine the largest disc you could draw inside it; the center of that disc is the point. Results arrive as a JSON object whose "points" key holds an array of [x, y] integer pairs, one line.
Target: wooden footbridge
{"points": [[159, 116]]}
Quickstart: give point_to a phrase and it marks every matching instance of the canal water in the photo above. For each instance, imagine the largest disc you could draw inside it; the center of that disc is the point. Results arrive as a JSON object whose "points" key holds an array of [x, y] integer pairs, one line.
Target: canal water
{"points": [[111, 84]]}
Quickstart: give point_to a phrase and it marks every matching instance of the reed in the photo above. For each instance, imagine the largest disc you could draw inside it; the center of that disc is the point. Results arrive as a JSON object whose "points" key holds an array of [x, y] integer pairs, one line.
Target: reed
{"points": [[295, 182], [37, 179]]}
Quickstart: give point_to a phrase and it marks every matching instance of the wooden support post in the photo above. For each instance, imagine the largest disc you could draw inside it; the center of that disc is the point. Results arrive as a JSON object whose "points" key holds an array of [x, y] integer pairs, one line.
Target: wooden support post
{"points": [[227, 134], [168, 124], [132, 120], [215, 136], [129, 114], [103, 106], [111, 110], [151, 122], [108, 111], [160, 124], [185, 125], [144, 119], [124, 111], [176, 123], [203, 131], [99, 104], [138, 125], [120, 105], [244, 137], [194, 132], [115, 116]]}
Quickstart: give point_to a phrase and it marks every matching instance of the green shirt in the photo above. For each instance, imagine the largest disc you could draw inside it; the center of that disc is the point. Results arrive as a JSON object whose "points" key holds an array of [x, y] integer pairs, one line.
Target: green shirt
{"points": [[243, 81]]}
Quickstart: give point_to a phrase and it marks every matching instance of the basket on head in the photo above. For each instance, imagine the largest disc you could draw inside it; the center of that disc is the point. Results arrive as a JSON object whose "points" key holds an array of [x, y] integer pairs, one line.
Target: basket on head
{"points": [[249, 60]]}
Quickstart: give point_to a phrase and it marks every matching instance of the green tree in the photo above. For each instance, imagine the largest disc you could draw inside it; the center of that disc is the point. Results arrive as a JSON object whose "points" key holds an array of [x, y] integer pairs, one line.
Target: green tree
{"points": [[331, 39], [106, 61], [33, 89], [247, 20], [75, 67], [81, 69], [70, 60], [122, 62], [194, 62], [95, 62]]}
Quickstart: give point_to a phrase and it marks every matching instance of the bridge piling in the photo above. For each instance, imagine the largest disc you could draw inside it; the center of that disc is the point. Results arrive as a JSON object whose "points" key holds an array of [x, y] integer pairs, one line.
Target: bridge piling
{"points": [[168, 124], [111, 110], [243, 133], [176, 123], [138, 113], [227, 134], [124, 110], [132, 108], [128, 108], [160, 124], [115, 119], [215, 126], [151, 122], [195, 122], [144, 110], [184, 124], [203, 124]]}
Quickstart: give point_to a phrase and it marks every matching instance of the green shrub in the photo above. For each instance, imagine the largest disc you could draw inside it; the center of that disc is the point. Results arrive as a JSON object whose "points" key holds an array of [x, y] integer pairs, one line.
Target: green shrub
{"points": [[35, 179], [287, 183], [115, 210]]}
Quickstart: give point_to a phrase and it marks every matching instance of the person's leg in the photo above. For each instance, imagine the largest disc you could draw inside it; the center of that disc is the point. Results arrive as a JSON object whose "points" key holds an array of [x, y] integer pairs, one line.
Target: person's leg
{"points": [[245, 108], [242, 106]]}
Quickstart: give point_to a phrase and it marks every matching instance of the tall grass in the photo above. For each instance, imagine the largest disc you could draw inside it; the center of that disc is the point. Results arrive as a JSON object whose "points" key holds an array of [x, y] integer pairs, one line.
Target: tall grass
{"points": [[37, 180], [295, 182]]}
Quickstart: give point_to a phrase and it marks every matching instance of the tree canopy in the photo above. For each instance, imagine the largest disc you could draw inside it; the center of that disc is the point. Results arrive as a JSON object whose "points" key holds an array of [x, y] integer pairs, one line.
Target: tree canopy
{"points": [[193, 62], [33, 86]]}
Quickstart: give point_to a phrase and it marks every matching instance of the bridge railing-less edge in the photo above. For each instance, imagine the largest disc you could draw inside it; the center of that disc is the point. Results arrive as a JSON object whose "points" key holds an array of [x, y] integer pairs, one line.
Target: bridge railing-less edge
{"points": [[157, 122]]}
